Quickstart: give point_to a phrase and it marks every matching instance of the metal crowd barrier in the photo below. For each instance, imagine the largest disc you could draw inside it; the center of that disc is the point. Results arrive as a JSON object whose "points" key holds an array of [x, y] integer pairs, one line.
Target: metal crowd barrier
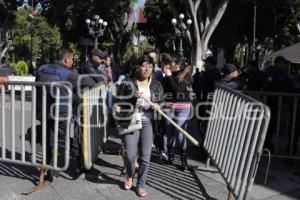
{"points": [[235, 137], [94, 123], [284, 138], [19, 113]]}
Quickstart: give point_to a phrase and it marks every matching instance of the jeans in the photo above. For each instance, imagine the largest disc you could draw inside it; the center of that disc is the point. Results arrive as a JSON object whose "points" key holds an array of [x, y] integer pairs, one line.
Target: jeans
{"points": [[139, 140], [163, 143], [162, 139], [109, 98], [180, 116]]}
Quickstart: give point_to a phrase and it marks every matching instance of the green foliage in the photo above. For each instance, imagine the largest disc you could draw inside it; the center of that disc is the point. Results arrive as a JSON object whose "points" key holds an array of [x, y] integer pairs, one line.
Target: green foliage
{"points": [[6, 9], [75, 50], [44, 37], [285, 31], [128, 53], [70, 17], [144, 44], [158, 28], [21, 68], [275, 20]]}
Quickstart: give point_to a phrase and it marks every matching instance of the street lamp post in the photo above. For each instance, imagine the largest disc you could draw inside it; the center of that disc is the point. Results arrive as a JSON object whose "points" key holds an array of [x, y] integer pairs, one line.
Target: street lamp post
{"points": [[96, 28], [31, 19], [254, 32], [180, 30]]}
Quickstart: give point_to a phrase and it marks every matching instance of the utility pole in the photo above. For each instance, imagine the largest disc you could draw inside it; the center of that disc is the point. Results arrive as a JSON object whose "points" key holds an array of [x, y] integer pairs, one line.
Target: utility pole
{"points": [[254, 32]]}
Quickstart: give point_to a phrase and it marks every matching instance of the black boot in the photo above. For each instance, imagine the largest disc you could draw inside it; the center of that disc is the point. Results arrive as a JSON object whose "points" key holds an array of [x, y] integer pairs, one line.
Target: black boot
{"points": [[184, 164], [171, 155]]}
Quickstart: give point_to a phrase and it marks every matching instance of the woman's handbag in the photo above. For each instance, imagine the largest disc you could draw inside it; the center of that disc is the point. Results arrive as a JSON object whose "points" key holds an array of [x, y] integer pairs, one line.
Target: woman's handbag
{"points": [[135, 124]]}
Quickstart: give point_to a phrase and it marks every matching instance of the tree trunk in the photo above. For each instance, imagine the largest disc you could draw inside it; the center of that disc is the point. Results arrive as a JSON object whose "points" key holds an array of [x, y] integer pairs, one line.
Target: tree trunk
{"points": [[298, 26], [199, 52], [196, 51], [4, 45], [117, 55], [118, 59], [3, 52], [203, 31]]}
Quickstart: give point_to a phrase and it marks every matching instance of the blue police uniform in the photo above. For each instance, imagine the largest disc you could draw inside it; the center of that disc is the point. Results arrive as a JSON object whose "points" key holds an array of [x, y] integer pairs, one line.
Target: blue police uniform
{"points": [[275, 81], [57, 72]]}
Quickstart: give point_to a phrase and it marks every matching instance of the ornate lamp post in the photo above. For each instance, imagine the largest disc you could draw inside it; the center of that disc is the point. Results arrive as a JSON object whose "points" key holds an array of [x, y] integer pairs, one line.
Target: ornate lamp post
{"points": [[96, 28], [180, 30]]}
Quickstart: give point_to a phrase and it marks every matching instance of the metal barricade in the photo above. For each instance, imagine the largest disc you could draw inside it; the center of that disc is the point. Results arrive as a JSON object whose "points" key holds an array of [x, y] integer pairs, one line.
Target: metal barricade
{"points": [[94, 123], [285, 107], [235, 137], [19, 113]]}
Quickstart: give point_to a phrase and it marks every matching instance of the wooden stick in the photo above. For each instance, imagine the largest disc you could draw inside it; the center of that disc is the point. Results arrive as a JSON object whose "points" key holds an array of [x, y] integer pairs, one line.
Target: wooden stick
{"points": [[229, 196], [186, 134]]}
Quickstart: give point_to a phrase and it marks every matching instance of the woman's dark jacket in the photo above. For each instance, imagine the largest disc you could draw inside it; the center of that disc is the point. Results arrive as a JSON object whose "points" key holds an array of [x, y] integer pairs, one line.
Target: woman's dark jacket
{"points": [[129, 86], [175, 91]]}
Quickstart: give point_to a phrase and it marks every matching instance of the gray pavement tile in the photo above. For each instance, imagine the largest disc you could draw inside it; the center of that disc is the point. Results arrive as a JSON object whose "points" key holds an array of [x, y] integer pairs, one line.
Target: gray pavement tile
{"points": [[165, 182]]}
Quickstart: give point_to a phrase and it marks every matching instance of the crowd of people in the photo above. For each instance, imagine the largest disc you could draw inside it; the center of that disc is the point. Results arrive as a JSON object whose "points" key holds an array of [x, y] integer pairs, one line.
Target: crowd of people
{"points": [[170, 84]]}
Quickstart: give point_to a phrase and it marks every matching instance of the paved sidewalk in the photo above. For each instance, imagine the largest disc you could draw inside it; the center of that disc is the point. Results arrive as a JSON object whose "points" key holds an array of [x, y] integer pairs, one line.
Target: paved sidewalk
{"points": [[165, 182]]}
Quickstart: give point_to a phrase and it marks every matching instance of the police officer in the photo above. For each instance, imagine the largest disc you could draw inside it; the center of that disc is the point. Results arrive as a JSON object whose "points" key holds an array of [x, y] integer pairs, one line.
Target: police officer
{"points": [[60, 70], [204, 86], [277, 80], [205, 83], [254, 77], [97, 68], [277, 77], [230, 77]]}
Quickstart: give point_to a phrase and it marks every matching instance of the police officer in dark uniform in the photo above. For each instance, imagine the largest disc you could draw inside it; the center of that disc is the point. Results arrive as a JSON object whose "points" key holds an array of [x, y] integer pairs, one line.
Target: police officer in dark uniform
{"points": [[205, 82], [277, 80], [96, 67], [254, 77], [230, 77], [277, 77], [60, 71], [204, 86]]}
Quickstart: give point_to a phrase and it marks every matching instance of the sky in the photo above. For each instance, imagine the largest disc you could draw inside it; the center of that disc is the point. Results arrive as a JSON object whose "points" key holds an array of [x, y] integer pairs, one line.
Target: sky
{"points": [[140, 3]]}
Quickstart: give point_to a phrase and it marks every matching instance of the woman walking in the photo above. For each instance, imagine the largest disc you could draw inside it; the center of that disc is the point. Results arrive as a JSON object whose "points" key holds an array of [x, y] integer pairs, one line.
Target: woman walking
{"points": [[177, 85], [131, 93]]}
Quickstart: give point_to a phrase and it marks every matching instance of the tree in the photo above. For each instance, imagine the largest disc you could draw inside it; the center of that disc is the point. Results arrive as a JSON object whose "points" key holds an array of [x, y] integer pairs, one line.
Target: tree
{"points": [[206, 15], [276, 26], [235, 30], [70, 18], [158, 28], [43, 35], [7, 10], [119, 34], [285, 22]]}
